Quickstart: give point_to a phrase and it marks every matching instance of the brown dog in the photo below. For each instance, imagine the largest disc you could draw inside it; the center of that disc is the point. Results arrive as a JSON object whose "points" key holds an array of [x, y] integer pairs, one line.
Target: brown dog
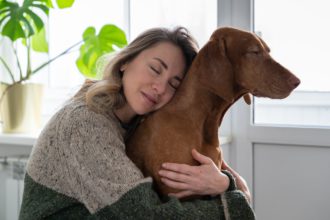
{"points": [[233, 63]]}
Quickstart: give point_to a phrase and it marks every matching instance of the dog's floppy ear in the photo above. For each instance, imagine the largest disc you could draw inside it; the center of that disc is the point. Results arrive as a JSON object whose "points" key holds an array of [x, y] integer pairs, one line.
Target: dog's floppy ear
{"points": [[216, 70], [247, 98]]}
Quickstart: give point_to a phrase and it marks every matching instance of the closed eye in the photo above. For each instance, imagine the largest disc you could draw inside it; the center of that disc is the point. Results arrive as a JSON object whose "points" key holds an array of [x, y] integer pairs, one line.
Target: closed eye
{"points": [[254, 50], [155, 70], [175, 83], [254, 53]]}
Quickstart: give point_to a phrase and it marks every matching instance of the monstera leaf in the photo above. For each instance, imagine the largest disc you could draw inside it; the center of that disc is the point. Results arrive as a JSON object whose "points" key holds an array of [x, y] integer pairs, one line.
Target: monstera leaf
{"points": [[21, 21], [96, 45], [39, 42], [64, 3]]}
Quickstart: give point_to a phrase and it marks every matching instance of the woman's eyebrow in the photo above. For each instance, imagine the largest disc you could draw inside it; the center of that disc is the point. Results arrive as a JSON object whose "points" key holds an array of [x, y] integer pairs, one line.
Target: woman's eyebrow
{"points": [[162, 62]]}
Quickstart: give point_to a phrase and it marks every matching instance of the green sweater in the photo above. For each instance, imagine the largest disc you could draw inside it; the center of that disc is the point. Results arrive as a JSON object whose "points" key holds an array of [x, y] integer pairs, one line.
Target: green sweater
{"points": [[78, 169]]}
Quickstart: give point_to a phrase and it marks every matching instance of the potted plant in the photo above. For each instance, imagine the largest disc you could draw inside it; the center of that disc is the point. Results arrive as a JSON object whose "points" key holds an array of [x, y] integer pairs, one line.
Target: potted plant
{"points": [[20, 100]]}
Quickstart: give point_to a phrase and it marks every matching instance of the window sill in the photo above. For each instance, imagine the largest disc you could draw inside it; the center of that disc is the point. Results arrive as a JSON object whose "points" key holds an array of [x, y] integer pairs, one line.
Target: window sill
{"points": [[23, 140]]}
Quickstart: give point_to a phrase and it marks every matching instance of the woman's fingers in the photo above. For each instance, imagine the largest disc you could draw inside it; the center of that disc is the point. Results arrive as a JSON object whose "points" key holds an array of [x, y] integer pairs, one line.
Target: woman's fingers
{"points": [[240, 181], [224, 165], [174, 184], [187, 169], [179, 168], [174, 176], [200, 157]]}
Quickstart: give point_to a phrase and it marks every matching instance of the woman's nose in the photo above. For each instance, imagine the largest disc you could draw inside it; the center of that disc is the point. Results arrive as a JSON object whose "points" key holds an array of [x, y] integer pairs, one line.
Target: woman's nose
{"points": [[160, 87]]}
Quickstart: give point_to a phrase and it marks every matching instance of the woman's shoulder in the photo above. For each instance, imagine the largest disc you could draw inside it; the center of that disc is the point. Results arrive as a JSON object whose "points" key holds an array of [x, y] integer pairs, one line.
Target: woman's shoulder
{"points": [[76, 112], [77, 115]]}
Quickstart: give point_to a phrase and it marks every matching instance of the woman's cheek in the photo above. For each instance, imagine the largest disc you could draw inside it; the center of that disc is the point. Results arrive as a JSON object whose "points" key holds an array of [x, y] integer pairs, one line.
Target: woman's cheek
{"points": [[169, 97]]}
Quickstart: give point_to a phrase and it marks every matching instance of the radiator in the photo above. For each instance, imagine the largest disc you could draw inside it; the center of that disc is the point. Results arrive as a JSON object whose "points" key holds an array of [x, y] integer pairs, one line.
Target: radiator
{"points": [[12, 171]]}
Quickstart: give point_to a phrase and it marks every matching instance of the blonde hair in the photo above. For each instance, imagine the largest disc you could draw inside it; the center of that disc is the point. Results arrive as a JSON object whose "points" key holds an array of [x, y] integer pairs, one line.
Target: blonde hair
{"points": [[109, 88]]}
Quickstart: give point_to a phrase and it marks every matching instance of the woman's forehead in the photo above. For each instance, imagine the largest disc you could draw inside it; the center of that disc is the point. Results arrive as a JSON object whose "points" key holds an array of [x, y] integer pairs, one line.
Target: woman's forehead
{"points": [[167, 52]]}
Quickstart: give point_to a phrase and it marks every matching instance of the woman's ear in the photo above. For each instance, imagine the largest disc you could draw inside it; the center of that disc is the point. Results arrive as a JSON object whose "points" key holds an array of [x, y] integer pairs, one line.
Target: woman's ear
{"points": [[123, 67]]}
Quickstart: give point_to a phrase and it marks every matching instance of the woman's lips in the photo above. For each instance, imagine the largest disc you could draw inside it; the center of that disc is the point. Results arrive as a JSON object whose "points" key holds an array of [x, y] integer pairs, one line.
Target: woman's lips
{"points": [[149, 98]]}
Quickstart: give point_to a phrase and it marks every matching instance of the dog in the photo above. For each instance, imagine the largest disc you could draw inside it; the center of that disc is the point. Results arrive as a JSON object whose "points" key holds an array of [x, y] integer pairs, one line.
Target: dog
{"points": [[232, 64]]}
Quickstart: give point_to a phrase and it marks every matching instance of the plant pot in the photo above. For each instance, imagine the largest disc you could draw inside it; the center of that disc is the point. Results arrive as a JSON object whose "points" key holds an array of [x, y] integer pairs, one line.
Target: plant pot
{"points": [[20, 108]]}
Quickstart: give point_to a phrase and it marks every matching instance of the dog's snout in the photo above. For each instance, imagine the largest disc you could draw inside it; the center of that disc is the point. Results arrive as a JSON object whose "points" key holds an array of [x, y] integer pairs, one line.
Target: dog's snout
{"points": [[294, 81]]}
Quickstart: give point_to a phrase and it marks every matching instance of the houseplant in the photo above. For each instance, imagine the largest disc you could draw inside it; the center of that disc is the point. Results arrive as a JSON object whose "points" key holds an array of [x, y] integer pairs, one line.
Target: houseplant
{"points": [[24, 24]]}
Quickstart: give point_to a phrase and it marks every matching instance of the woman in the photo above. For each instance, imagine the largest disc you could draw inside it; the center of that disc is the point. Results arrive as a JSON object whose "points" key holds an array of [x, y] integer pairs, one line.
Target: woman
{"points": [[78, 167]]}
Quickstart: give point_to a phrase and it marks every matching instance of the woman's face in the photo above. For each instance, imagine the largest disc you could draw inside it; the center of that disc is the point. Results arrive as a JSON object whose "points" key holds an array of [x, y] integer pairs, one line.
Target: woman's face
{"points": [[151, 78]]}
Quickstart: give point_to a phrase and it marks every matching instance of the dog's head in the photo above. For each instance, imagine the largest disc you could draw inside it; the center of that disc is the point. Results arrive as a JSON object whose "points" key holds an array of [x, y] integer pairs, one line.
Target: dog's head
{"points": [[239, 62]]}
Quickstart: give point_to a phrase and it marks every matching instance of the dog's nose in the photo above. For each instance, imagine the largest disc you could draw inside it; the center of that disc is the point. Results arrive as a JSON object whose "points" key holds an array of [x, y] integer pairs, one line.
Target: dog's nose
{"points": [[294, 81]]}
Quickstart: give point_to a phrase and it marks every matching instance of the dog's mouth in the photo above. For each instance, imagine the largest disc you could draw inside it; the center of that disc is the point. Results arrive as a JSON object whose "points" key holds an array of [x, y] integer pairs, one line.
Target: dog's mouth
{"points": [[273, 93], [259, 93]]}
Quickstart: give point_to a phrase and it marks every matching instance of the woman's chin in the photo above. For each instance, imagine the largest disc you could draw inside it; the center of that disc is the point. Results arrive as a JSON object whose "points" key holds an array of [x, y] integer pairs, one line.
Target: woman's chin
{"points": [[143, 110]]}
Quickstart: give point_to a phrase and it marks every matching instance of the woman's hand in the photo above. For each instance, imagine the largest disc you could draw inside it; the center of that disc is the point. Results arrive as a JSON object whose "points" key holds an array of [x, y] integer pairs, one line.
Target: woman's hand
{"points": [[240, 181], [205, 179]]}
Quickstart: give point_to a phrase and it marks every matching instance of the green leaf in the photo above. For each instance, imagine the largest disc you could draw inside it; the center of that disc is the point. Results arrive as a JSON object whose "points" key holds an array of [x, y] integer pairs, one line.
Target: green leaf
{"points": [[36, 19], [88, 33], [42, 7], [39, 42], [21, 21], [83, 68], [113, 35], [97, 45], [64, 3], [49, 3], [13, 31]]}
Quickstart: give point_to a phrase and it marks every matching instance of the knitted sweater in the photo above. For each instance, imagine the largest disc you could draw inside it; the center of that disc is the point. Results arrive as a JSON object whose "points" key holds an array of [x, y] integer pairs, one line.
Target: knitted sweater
{"points": [[78, 169]]}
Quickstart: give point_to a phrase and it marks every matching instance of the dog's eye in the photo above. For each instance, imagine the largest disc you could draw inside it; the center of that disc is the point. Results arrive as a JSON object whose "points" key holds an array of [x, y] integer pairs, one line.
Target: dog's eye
{"points": [[254, 53], [254, 50]]}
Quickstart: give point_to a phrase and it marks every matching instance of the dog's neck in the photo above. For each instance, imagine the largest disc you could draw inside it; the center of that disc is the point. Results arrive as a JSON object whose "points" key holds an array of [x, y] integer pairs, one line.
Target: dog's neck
{"points": [[200, 107]]}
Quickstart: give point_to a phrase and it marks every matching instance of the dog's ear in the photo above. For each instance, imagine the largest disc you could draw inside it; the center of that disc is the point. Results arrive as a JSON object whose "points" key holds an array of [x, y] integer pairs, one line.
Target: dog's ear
{"points": [[217, 71], [247, 98]]}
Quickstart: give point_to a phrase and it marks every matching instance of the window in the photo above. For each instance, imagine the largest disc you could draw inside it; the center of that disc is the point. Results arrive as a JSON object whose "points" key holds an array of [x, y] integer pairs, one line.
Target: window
{"points": [[198, 16], [296, 32]]}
